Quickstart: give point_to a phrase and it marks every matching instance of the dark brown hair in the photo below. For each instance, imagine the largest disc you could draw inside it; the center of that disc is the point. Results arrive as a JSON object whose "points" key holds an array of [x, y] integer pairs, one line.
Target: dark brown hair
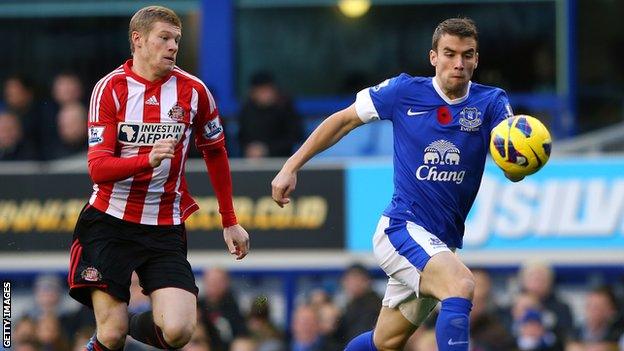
{"points": [[459, 27], [144, 19]]}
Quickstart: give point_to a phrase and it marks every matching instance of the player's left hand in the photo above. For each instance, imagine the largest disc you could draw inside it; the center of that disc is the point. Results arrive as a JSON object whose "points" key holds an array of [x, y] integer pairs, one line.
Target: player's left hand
{"points": [[237, 240]]}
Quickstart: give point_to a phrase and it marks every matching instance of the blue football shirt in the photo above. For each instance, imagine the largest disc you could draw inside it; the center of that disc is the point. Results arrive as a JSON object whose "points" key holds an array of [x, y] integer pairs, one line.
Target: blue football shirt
{"points": [[440, 148]]}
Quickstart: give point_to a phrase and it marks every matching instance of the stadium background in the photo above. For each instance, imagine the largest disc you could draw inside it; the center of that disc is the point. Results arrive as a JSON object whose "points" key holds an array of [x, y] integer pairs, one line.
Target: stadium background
{"points": [[557, 59]]}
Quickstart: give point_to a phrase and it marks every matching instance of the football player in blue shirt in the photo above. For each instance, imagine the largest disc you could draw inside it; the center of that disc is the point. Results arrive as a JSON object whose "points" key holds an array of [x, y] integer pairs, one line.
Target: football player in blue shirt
{"points": [[441, 128]]}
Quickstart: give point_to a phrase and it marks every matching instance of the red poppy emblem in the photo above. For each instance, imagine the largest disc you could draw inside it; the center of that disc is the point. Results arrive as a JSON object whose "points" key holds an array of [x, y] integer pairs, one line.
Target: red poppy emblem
{"points": [[444, 115]]}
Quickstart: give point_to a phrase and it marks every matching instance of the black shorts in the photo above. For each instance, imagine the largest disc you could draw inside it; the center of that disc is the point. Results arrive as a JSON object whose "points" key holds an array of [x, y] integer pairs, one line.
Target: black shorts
{"points": [[105, 250]]}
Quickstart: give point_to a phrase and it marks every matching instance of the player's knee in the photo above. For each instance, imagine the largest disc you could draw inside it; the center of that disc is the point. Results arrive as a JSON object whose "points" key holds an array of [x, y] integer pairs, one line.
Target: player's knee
{"points": [[389, 343], [178, 333], [464, 287], [112, 336]]}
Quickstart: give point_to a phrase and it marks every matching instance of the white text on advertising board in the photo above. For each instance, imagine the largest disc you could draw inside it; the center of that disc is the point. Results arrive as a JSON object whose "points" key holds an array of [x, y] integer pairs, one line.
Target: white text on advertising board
{"points": [[554, 208]]}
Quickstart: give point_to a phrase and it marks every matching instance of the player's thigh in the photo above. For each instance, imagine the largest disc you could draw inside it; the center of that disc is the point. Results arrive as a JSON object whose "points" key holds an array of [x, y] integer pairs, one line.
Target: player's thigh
{"points": [[174, 308], [103, 255], [446, 276], [166, 264], [403, 250], [111, 314]]}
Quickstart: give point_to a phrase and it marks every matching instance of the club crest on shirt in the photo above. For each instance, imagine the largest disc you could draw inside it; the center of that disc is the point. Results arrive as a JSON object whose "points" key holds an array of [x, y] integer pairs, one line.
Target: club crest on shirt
{"points": [[176, 113], [91, 274], [470, 120]]}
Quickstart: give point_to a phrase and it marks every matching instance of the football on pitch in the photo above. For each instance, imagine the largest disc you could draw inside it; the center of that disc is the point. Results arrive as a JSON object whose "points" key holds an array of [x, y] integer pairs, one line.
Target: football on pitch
{"points": [[520, 145]]}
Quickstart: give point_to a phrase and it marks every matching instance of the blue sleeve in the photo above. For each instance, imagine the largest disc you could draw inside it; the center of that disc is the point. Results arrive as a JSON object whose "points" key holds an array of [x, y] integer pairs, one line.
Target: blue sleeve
{"points": [[500, 109]]}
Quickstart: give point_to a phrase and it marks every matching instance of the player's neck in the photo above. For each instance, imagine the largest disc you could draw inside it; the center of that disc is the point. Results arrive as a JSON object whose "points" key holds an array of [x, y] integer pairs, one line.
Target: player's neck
{"points": [[452, 94], [143, 70]]}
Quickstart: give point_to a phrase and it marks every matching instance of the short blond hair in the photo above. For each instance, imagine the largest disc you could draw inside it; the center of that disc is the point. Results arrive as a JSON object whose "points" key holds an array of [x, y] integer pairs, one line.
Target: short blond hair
{"points": [[144, 19]]}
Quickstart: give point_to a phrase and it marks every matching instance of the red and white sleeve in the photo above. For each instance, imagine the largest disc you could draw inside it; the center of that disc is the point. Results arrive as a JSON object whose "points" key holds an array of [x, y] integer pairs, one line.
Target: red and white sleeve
{"points": [[104, 165], [210, 140]]}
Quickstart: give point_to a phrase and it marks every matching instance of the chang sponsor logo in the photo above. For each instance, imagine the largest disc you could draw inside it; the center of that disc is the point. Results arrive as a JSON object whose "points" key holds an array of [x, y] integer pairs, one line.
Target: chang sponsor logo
{"points": [[146, 134], [440, 152]]}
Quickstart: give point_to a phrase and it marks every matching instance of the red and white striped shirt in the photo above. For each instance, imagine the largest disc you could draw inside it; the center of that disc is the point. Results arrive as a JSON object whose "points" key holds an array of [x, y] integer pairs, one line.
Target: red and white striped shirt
{"points": [[127, 114]]}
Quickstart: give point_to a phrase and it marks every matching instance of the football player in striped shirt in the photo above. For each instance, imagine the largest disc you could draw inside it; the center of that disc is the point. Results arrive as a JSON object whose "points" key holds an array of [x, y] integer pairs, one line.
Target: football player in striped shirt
{"points": [[141, 117]]}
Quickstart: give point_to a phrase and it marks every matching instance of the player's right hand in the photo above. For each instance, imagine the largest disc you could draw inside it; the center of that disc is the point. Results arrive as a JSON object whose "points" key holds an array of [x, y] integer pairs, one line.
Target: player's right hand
{"points": [[282, 185], [237, 240], [162, 149]]}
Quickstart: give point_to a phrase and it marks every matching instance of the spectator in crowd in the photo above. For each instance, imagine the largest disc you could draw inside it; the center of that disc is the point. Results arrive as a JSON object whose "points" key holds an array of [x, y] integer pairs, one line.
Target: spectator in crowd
{"points": [[13, 147], [19, 97], [363, 303], [487, 332], [67, 88], [47, 293], [603, 322], [65, 119], [27, 345], [306, 332], [25, 330], [537, 278], [268, 123], [243, 343], [329, 316], [219, 306], [512, 316], [261, 327], [50, 333], [71, 126], [318, 297], [534, 336]]}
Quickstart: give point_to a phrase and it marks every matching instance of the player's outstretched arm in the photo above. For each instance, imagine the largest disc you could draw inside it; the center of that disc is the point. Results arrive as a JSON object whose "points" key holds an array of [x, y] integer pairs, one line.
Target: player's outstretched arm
{"points": [[325, 135], [237, 240]]}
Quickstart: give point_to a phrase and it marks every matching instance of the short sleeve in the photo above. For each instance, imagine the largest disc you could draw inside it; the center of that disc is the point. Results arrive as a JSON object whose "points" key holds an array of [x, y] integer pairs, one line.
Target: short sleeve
{"points": [[208, 127], [501, 109], [377, 102]]}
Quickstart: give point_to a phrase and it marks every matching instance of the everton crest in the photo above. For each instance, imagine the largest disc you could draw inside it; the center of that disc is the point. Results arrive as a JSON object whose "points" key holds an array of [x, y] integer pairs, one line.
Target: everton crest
{"points": [[470, 119]]}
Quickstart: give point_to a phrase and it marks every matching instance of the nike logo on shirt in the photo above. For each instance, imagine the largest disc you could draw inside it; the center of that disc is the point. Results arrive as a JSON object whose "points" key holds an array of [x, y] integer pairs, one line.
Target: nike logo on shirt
{"points": [[415, 113]]}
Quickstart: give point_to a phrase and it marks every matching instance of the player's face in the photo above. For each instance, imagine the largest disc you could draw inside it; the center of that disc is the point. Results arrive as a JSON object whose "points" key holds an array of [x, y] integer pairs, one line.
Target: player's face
{"points": [[454, 60], [159, 48]]}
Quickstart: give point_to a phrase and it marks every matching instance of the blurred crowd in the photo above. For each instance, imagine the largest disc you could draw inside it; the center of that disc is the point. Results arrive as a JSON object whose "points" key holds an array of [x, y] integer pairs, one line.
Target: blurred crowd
{"points": [[54, 125], [535, 317]]}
